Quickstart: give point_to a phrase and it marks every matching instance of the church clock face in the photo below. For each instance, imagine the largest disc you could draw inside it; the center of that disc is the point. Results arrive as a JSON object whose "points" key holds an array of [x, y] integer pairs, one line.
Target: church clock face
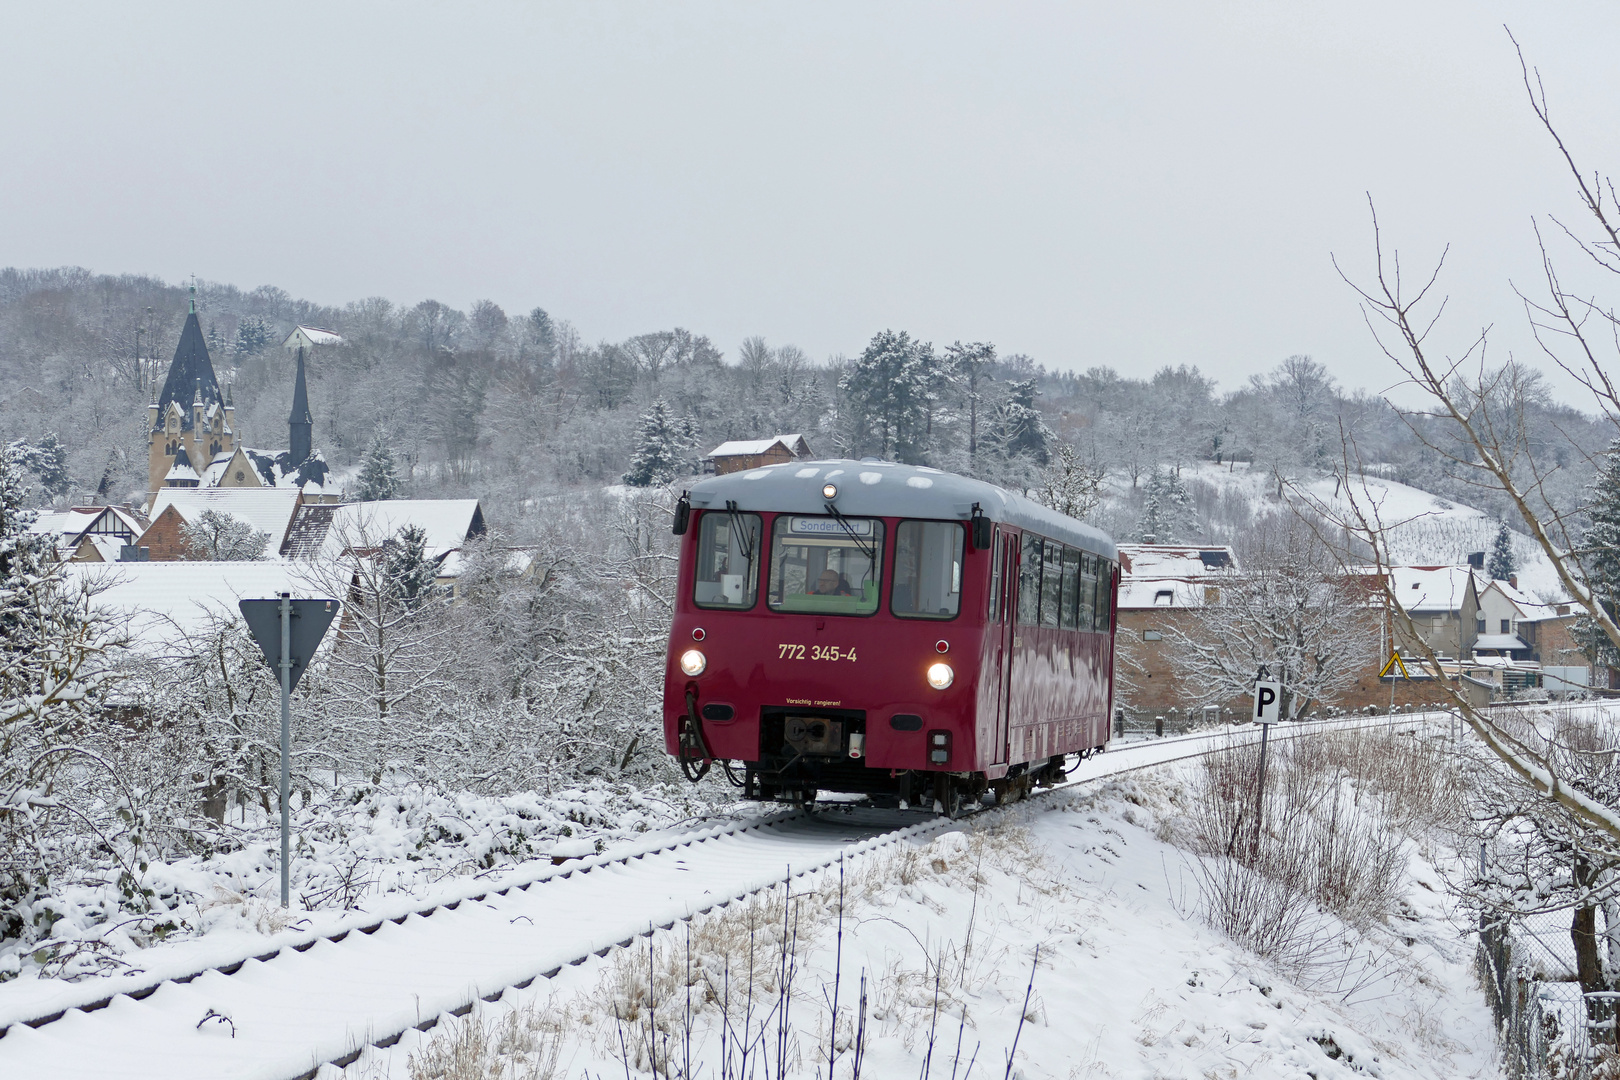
{"points": [[240, 476]]}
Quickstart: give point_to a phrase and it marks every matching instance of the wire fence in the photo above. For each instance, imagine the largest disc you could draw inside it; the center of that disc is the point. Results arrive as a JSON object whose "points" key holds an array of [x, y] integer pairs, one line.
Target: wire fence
{"points": [[1549, 1028]]}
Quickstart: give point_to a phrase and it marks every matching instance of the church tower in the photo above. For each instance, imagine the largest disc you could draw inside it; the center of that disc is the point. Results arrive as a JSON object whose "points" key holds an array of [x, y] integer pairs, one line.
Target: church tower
{"points": [[191, 423], [300, 425]]}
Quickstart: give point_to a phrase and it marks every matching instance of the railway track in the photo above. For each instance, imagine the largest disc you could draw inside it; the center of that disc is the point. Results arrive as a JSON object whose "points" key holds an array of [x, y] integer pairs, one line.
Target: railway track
{"points": [[321, 999]]}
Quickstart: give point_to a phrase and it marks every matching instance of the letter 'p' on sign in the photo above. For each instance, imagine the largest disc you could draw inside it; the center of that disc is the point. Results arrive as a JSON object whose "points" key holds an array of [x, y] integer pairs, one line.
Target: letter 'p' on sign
{"points": [[1267, 702]]}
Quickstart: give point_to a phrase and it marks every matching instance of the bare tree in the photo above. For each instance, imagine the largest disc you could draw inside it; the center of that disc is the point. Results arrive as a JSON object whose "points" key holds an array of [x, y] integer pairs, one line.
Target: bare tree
{"points": [[1476, 422], [222, 538], [1292, 609]]}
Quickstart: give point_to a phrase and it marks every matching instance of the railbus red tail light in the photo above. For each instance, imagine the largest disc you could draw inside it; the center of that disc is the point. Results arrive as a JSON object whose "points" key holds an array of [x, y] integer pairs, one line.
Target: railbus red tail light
{"points": [[939, 747]]}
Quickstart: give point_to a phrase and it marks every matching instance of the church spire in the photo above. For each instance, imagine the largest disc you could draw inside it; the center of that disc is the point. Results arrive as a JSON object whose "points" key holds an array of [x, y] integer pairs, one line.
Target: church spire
{"points": [[300, 424]]}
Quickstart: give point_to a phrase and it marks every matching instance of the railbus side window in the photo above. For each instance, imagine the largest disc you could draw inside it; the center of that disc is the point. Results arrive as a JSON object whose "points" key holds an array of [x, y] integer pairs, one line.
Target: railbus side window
{"points": [[1105, 595], [1088, 593], [1029, 582], [1071, 588], [927, 570], [995, 576], [1105, 585], [727, 561], [1051, 583]]}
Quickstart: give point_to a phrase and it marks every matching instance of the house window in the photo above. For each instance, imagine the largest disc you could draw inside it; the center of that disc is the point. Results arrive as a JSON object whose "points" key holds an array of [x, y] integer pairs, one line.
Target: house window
{"points": [[1152, 635], [1479, 625], [1507, 626], [1438, 622], [1164, 598]]}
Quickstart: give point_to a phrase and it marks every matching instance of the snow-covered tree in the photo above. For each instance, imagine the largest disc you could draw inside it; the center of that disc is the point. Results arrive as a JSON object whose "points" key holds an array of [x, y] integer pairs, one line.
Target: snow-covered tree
{"points": [[218, 537], [969, 366], [1168, 516], [48, 460], [1070, 485], [1599, 557], [662, 447], [378, 478], [888, 389], [408, 569], [1502, 565], [52, 679]]}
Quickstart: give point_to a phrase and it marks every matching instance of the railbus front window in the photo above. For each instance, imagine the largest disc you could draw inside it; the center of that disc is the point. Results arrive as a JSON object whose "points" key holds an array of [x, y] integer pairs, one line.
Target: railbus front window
{"points": [[827, 565], [927, 570], [727, 560]]}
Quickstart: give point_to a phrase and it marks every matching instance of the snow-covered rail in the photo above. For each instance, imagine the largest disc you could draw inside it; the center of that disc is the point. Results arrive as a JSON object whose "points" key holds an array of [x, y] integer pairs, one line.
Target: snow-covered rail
{"points": [[321, 999]]}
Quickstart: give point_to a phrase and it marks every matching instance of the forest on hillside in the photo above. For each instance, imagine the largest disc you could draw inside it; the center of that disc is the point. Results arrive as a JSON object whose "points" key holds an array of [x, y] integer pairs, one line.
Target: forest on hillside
{"points": [[512, 407]]}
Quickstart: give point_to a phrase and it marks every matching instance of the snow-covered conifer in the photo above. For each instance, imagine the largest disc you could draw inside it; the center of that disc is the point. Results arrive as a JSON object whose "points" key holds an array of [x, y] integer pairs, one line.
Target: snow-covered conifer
{"points": [[1502, 565], [1599, 558], [888, 390], [660, 449], [378, 478], [48, 460], [407, 567]]}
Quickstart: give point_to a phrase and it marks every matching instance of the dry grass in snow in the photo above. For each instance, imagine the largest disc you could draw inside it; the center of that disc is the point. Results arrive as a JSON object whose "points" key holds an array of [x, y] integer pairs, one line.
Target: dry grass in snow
{"points": [[921, 965]]}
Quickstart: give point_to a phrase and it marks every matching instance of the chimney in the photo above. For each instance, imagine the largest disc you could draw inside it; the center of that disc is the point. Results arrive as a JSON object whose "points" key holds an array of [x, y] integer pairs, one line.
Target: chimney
{"points": [[1513, 581]]}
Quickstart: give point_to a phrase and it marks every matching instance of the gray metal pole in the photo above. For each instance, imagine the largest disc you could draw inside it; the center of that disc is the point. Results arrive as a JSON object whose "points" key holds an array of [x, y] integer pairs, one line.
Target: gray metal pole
{"points": [[286, 733], [1260, 799]]}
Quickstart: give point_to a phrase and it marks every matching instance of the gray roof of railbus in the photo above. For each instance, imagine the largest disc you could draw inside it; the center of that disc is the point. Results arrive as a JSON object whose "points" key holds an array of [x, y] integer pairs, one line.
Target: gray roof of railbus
{"points": [[887, 489]]}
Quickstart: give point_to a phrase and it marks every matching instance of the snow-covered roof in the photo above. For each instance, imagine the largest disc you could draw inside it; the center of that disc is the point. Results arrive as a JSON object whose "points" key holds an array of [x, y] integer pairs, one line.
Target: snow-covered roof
{"points": [[1500, 641], [68, 522], [1529, 607], [887, 489], [266, 510], [794, 444], [1136, 594], [315, 335], [166, 601], [181, 469], [1430, 588], [364, 526], [1170, 575]]}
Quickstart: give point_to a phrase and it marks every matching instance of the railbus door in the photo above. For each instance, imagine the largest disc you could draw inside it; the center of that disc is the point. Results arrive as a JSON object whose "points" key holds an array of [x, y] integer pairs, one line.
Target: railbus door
{"points": [[1007, 552]]}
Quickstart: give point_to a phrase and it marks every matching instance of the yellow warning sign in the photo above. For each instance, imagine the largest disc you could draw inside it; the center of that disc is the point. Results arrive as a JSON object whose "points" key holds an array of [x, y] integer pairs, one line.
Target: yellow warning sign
{"points": [[1395, 661]]}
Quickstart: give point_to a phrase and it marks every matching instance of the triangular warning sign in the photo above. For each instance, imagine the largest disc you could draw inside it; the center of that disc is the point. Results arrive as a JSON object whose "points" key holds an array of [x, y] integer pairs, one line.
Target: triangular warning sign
{"points": [[1395, 661]]}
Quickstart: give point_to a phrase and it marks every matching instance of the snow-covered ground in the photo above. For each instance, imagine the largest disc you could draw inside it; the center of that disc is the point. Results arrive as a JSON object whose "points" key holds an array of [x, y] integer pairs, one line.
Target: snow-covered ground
{"points": [[1129, 982], [367, 851]]}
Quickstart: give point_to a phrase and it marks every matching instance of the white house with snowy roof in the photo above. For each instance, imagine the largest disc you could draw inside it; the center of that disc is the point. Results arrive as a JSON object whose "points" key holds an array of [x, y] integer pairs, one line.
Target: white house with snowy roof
{"points": [[90, 533], [308, 337]]}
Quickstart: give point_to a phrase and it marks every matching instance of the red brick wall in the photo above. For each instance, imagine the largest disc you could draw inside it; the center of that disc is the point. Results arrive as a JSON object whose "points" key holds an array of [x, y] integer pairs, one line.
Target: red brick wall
{"points": [[163, 537]]}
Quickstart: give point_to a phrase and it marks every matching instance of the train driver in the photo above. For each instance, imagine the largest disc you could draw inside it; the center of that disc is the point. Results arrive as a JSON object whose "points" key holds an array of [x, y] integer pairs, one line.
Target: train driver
{"points": [[831, 583]]}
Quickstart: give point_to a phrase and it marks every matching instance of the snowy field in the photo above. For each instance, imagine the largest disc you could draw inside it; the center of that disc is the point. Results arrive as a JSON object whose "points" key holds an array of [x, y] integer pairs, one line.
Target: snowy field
{"points": [[942, 942]]}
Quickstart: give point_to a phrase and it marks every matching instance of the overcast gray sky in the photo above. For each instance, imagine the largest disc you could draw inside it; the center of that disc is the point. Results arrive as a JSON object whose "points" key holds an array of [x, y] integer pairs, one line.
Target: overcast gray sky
{"points": [[1126, 184]]}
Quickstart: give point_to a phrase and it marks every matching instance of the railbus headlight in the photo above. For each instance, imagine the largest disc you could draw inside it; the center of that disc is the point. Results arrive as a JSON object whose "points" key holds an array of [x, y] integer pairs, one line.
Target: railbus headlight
{"points": [[693, 662], [940, 676]]}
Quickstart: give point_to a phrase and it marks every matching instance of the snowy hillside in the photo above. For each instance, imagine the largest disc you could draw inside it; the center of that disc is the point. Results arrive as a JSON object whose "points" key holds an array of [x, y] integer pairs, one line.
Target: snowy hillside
{"points": [[1424, 529], [941, 943]]}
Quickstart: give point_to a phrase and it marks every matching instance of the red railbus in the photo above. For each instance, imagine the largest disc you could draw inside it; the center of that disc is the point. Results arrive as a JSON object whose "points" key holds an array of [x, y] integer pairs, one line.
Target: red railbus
{"points": [[893, 630]]}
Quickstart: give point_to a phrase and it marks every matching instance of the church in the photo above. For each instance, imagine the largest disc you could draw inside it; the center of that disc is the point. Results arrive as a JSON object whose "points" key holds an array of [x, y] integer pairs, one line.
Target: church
{"points": [[193, 441]]}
